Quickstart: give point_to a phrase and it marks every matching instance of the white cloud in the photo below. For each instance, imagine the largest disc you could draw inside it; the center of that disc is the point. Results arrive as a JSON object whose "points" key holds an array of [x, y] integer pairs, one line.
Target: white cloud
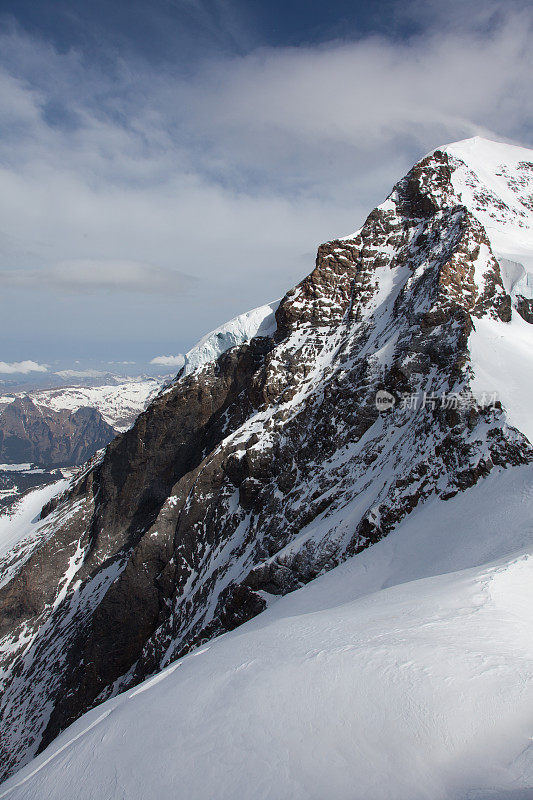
{"points": [[278, 150], [169, 361], [348, 101], [22, 367]]}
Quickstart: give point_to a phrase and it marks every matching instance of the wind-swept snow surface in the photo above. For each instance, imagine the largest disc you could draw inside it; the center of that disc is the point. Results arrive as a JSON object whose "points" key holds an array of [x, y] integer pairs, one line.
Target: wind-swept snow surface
{"points": [[344, 689]]}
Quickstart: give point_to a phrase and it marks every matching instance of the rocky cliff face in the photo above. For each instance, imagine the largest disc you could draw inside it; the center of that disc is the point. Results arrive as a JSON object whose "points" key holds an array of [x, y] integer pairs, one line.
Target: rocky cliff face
{"points": [[29, 433], [254, 473]]}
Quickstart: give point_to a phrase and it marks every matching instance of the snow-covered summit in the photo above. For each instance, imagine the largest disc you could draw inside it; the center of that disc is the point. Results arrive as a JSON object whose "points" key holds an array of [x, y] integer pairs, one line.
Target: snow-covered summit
{"points": [[495, 183]]}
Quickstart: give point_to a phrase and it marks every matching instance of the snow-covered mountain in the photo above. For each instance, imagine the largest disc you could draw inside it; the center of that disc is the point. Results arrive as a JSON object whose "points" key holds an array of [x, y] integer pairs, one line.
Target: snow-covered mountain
{"points": [[42, 431], [118, 403], [31, 433], [384, 396]]}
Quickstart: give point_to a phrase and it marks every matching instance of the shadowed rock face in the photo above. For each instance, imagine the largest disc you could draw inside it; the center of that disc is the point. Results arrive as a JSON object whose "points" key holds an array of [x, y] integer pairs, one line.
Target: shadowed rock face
{"points": [[524, 306], [52, 438], [263, 469]]}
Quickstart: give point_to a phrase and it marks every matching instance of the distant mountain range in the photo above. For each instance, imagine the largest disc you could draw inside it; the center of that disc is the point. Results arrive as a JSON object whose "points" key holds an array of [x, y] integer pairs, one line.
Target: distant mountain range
{"points": [[119, 402], [68, 378], [63, 427]]}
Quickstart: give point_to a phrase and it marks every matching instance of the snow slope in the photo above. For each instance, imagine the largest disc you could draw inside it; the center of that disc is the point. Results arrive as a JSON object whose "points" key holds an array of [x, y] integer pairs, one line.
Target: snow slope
{"points": [[502, 359], [404, 674], [20, 526]]}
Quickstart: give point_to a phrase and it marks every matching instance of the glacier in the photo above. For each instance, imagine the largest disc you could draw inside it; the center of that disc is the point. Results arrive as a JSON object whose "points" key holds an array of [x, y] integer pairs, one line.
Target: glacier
{"points": [[239, 330]]}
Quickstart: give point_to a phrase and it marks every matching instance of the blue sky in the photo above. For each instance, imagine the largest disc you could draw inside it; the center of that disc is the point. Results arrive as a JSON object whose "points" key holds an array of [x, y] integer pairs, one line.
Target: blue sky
{"points": [[166, 165]]}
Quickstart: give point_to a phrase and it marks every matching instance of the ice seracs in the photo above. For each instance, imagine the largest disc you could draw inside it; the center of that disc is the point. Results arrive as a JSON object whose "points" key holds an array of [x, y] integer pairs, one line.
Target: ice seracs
{"points": [[240, 330]]}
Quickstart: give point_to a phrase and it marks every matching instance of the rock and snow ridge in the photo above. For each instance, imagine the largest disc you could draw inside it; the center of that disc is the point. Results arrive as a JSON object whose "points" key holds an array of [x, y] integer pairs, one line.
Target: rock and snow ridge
{"points": [[495, 182], [258, 472]]}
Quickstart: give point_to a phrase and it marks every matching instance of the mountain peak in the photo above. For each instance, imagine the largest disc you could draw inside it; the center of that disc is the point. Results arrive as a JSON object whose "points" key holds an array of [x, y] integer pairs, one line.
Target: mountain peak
{"points": [[271, 461], [494, 180], [489, 149]]}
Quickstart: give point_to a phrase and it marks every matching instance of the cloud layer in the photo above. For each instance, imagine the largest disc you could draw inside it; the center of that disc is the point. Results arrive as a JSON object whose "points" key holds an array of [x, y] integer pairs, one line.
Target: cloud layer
{"points": [[91, 275], [118, 177], [169, 361], [21, 367]]}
